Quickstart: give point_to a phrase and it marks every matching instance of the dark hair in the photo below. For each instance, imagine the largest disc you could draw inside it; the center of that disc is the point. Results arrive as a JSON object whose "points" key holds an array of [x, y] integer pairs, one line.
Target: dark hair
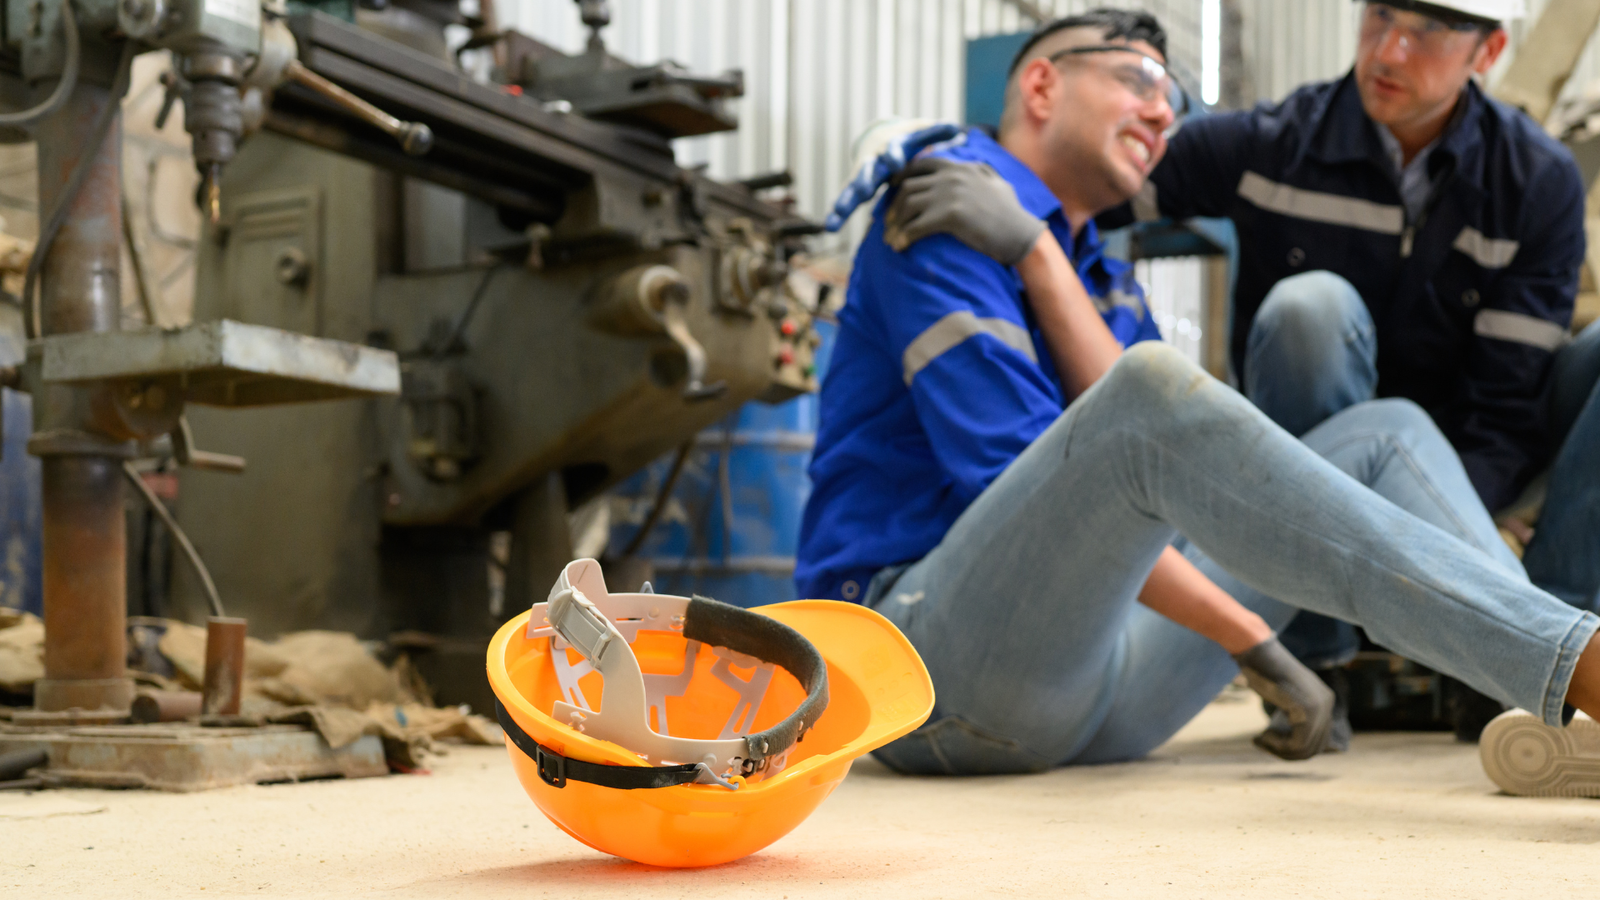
{"points": [[1114, 24]]}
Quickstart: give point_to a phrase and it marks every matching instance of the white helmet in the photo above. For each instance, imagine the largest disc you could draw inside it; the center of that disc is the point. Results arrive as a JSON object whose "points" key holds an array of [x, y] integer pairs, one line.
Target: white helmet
{"points": [[1489, 10]]}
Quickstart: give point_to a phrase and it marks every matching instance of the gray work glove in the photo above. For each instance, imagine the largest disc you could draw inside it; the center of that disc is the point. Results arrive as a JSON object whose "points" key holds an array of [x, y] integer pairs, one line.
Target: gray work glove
{"points": [[1286, 683], [969, 201]]}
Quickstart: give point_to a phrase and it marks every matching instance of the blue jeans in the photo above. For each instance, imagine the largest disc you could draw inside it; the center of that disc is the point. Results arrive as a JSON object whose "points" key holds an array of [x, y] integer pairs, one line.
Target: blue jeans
{"points": [[1312, 352], [1027, 613]]}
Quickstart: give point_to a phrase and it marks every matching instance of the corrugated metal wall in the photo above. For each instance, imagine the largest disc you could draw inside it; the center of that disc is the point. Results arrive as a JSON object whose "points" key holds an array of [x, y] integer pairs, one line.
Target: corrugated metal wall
{"points": [[818, 72], [1287, 43]]}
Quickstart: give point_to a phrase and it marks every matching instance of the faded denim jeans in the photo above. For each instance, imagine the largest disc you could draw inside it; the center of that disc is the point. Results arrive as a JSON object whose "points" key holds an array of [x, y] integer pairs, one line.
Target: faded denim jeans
{"points": [[1027, 613], [1312, 352]]}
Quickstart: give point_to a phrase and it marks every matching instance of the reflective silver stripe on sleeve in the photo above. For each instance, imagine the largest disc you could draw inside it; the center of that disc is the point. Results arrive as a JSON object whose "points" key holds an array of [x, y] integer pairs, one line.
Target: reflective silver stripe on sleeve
{"points": [[1491, 253], [956, 327], [1519, 328], [1317, 206], [1123, 299], [1146, 206]]}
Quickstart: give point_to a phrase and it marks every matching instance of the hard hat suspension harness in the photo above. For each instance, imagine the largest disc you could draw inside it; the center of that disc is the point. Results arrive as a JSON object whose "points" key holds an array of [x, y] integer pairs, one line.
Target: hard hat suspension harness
{"points": [[631, 698]]}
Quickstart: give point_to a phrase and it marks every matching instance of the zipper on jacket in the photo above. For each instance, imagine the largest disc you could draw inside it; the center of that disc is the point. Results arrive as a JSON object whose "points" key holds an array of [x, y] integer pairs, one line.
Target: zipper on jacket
{"points": [[1409, 235]]}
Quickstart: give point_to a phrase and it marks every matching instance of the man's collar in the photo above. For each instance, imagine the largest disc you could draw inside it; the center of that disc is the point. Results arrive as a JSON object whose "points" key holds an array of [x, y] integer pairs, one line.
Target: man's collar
{"points": [[1460, 134], [1334, 140]]}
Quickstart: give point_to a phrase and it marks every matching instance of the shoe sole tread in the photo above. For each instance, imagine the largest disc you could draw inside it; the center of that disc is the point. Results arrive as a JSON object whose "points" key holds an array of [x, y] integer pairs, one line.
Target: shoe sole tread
{"points": [[1528, 758]]}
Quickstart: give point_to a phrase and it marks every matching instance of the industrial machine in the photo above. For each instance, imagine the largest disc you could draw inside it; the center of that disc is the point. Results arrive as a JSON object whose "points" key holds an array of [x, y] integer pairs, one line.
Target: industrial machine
{"points": [[567, 304], [513, 291], [102, 396]]}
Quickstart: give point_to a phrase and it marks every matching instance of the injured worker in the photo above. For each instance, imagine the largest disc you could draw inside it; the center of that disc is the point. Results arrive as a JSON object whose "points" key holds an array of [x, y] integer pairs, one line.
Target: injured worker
{"points": [[1007, 453]]}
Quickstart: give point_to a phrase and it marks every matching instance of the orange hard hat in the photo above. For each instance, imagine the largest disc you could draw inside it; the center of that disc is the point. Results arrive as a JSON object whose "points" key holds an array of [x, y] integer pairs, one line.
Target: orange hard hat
{"points": [[684, 732]]}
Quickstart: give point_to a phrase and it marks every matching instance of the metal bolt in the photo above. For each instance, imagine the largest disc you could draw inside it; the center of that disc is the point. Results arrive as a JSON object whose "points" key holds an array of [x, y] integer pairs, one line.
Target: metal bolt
{"points": [[291, 267]]}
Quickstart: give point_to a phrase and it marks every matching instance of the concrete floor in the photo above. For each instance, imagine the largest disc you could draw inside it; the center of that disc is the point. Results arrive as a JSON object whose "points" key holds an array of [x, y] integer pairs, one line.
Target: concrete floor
{"points": [[1401, 815]]}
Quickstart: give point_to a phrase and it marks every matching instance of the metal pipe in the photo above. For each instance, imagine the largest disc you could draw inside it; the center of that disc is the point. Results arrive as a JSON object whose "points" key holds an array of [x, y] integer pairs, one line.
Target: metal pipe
{"points": [[84, 536], [224, 666], [85, 588], [92, 119], [81, 279], [166, 706], [415, 138], [15, 764]]}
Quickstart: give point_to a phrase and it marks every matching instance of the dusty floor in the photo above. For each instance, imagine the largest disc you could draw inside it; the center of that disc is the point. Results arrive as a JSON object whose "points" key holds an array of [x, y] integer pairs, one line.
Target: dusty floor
{"points": [[1402, 815]]}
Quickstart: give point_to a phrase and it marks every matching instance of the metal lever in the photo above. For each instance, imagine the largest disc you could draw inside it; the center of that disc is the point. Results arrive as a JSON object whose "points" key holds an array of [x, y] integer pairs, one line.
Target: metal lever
{"points": [[183, 448], [174, 88], [415, 138], [677, 328]]}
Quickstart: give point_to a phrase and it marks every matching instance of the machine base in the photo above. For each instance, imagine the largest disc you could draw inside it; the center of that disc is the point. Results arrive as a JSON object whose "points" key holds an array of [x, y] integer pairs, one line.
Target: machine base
{"points": [[180, 757]]}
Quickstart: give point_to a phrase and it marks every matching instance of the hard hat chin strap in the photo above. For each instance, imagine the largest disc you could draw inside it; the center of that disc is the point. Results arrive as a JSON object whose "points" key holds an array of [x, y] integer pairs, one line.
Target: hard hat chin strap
{"points": [[556, 770]]}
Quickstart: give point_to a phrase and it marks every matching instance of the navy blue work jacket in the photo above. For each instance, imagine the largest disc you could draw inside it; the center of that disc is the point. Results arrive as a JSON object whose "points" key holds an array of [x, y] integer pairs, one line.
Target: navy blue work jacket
{"points": [[1470, 302]]}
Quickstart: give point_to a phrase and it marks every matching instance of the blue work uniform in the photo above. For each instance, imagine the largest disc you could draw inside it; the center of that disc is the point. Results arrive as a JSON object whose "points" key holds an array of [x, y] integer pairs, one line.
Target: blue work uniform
{"points": [[939, 379], [1470, 300]]}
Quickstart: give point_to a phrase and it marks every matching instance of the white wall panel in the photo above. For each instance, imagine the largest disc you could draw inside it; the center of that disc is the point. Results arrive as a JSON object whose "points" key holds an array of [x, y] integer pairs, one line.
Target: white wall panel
{"points": [[1290, 42]]}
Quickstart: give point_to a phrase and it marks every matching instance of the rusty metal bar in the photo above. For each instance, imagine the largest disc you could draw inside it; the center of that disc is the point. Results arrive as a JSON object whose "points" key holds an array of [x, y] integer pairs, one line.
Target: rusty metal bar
{"points": [[85, 604], [224, 666], [415, 138], [82, 280], [85, 545], [166, 706]]}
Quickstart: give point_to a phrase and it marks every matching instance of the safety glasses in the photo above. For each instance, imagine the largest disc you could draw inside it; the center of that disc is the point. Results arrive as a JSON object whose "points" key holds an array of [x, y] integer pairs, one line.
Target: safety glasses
{"points": [[1420, 34], [1141, 74]]}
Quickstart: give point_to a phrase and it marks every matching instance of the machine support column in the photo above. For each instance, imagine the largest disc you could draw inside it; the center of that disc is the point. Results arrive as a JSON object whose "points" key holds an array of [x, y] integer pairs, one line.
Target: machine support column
{"points": [[85, 541]]}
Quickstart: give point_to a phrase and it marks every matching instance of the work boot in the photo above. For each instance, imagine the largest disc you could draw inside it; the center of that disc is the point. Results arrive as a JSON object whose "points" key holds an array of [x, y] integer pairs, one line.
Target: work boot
{"points": [[1339, 732], [1528, 758]]}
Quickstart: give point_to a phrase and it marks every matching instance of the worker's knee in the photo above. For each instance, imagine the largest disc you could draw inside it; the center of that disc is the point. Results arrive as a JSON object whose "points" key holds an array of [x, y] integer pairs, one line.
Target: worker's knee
{"points": [[1311, 307], [1152, 374]]}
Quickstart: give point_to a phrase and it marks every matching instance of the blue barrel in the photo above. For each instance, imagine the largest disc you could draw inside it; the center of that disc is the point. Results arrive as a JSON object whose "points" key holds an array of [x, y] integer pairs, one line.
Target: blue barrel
{"points": [[21, 510], [731, 528]]}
